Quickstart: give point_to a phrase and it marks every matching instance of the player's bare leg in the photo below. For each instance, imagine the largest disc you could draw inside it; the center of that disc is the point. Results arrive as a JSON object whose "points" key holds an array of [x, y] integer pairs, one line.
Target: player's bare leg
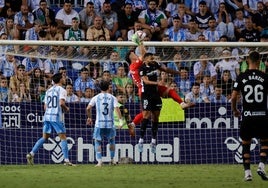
{"points": [[171, 93]]}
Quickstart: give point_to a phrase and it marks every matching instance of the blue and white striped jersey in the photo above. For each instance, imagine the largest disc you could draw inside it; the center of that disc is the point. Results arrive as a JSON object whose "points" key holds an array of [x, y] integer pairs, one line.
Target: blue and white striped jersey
{"points": [[52, 99], [105, 104]]}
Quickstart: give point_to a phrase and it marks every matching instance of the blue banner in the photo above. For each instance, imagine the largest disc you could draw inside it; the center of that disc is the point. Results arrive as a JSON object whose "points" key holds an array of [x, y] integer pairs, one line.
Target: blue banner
{"points": [[209, 134]]}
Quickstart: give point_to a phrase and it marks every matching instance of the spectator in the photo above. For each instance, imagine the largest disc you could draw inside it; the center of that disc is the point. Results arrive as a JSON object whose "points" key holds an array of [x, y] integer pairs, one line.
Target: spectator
{"points": [[87, 15], [44, 14], [43, 50], [97, 29], [65, 15], [19, 78], [138, 5], [86, 98], [204, 67], [211, 33], [260, 18], [110, 20], [23, 20], [131, 96], [228, 63], [97, 4], [63, 70], [94, 68], [184, 82], [171, 10], [54, 32], [71, 97], [203, 16], [226, 84], [35, 4], [5, 92], [175, 32], [239, 22], [120, 79], [111, 64], [166, 53], [240, 52], [224, 22], [3, 48], [154, 22], [33, 33], [217, 96], [32, 62], [206, 87], [250, 7], [8, 64], [249, 33], [106, 75], [10, 29], [52, 64], [122, 50], [126, 20], [192, 32], [183, 15], [82, 82], [37, 84], [23, 94], [15, 5], [74, 34], [195, 95]]}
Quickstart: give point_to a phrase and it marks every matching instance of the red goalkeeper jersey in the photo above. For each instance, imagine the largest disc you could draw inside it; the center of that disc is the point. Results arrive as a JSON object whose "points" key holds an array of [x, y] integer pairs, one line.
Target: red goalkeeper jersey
{"points": [[134, 71]]}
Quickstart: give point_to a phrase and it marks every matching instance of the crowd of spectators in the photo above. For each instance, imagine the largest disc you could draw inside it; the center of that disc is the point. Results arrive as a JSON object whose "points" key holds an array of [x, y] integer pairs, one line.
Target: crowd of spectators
{"points": [[27, 78]]}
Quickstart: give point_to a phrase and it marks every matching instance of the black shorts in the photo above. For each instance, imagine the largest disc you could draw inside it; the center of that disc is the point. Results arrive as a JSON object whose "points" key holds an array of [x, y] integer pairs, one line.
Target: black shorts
{"points": [[151, 103], [256, 127]]}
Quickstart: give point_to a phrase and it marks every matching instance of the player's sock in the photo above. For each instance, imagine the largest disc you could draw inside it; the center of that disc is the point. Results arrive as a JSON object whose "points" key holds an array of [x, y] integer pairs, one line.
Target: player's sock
{"points": [[153, 141], [98, 152], [138, 118], [173, 94], [141, 140], [37, 145], [64, 148], [112, 148]]}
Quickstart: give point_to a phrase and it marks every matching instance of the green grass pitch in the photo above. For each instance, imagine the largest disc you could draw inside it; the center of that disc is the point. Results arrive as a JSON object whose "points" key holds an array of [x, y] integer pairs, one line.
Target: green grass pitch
{"points": [[127, 176]]}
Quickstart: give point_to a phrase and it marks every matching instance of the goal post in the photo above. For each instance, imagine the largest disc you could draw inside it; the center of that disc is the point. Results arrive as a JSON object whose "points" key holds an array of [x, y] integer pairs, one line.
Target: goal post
{"points": [[204, 134]]}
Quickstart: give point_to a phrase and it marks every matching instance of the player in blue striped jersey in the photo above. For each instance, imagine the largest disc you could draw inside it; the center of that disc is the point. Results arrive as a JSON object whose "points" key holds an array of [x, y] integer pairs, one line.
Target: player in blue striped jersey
{"points": [[55, 108], [105, 104]]}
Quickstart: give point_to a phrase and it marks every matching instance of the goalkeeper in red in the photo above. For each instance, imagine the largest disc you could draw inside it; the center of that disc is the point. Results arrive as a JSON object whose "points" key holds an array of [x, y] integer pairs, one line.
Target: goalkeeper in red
{"points": [[135, 64]]}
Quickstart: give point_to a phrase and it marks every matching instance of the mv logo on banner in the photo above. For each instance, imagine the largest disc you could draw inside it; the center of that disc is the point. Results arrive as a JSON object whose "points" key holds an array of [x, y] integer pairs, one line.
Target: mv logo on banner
{"points": [[54, 146], [236, 146]]}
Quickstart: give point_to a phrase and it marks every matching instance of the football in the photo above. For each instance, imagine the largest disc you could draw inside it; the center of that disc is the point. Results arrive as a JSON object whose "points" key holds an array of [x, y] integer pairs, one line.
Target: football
{"points": [[140, 34]]}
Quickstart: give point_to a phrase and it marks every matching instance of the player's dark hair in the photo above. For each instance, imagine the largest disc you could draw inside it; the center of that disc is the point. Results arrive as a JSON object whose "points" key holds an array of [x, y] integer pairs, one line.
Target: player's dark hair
{"points": [[254, 56], [104, 85], [127, 56], [147, 55], [56, 77]]}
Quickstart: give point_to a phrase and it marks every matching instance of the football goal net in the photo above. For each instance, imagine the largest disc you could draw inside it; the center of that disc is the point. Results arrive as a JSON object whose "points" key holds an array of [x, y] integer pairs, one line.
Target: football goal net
{"points": [[205, 133]]}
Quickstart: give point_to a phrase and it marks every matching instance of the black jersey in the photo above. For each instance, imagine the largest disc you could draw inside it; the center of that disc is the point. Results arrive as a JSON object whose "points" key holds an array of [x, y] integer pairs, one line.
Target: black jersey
{"points": [[253, 86], [151, 71]]}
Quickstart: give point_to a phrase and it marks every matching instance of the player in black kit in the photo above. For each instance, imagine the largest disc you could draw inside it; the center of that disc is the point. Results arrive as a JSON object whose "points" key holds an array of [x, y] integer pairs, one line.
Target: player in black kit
{"points": [[253, 85], [150, 99]]}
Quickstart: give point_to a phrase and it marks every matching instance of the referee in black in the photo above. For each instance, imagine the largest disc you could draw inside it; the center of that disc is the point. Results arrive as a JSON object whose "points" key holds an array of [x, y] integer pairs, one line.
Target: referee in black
{"points": [[253, 85]]}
